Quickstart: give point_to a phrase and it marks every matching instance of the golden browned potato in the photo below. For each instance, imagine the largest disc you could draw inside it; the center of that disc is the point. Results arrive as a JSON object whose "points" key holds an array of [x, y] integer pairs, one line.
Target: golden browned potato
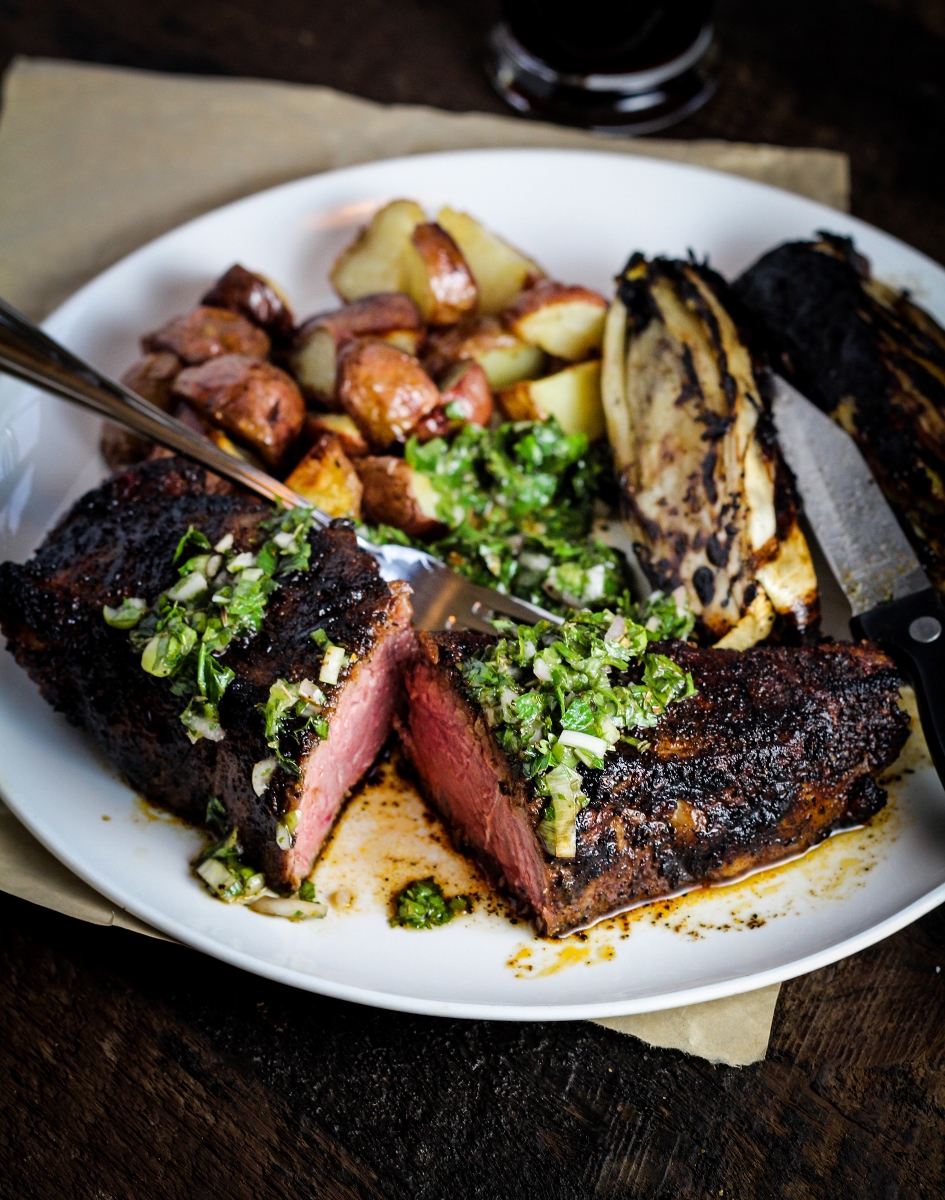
{"points": [[384, 391], [505, 358], [571, 395], [253, 295], [342, 426], [327, 478], [437, 277], [500, 271], [253, 400], [391, 316], [395, 494], [150, 378], [567, 322], [465, 398], [374, 262], [207, 333]]}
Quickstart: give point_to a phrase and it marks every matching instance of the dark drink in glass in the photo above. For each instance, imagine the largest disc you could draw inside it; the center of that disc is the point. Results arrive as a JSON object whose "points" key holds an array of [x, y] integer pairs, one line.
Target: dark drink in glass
{"points": [[619, 68]]}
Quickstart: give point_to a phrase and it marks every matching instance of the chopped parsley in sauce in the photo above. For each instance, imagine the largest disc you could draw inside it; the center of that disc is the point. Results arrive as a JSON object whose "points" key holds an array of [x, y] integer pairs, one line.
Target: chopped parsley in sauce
{"points": [[519, 503], [547, 694], [422, 905]]}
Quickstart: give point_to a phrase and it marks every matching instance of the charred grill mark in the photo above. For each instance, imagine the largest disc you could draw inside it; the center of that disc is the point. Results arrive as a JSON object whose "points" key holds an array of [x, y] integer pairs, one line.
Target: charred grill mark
{"points": [[709, 463], [703, 580], [716, 552]]}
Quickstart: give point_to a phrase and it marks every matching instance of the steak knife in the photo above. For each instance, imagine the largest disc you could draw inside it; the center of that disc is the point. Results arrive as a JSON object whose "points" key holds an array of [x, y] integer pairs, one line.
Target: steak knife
{"points": [[892, 601]]}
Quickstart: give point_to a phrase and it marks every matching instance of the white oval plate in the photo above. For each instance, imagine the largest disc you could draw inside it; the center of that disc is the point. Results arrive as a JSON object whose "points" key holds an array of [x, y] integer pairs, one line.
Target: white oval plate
{"points": [[580, 214]]}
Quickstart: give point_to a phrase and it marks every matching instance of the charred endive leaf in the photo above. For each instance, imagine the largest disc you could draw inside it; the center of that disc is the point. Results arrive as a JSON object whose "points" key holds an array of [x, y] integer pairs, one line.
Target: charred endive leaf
{"points": [[707, 497], [872, 359]]}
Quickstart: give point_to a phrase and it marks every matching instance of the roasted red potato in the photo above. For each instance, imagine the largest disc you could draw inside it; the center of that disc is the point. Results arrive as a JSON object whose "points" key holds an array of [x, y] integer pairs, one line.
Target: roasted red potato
{"points": [[390, 316], [567, 322], [327, 478], [256, 298], [500, 271], [374, 262], [343, 428], [253, 400], [395, 494], [465, 397], [505, 358], [150, 378], [437, 276], [384, 391], [207, 333]]}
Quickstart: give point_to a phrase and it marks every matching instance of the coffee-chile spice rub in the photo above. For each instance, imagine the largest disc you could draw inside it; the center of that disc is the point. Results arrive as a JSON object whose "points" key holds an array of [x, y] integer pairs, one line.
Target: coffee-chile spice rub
{"points": [[238, 666], [589, 769]]}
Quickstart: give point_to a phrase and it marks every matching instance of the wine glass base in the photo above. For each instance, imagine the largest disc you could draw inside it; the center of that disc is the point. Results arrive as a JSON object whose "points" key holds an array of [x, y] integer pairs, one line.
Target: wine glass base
{"points": [[619, 105]]}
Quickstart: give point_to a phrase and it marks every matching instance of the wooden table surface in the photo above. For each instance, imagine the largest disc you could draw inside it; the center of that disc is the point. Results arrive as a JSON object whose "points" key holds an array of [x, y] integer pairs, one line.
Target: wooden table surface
{"points": [[134, 1068]]}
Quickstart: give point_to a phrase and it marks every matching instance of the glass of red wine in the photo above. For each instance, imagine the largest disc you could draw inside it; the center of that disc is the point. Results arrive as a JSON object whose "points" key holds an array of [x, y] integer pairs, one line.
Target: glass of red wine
{"points": [[624, 67]]}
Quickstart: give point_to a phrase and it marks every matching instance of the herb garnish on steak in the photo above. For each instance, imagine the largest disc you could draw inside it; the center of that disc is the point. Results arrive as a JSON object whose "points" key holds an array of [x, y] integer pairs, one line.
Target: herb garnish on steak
{"points": [[118, 541], [777, 748], [221, 596], [547, 694]]}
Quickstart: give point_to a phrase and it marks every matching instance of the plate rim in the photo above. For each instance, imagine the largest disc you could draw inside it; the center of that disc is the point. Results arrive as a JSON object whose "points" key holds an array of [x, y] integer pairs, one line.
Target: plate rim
{"points": [[681, 997]]}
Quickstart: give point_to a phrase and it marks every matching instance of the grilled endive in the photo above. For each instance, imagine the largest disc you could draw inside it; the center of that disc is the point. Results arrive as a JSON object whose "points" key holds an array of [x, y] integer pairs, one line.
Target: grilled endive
{"points": [[707, 497]]}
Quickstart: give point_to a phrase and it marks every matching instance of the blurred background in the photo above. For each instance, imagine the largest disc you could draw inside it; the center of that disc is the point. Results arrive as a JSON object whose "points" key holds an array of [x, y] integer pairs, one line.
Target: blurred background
{"points": [[863, 76]]}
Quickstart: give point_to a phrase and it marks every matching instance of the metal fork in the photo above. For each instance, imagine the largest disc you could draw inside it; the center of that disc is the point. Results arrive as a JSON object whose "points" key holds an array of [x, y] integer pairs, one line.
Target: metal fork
{"points": [[441, 598]]}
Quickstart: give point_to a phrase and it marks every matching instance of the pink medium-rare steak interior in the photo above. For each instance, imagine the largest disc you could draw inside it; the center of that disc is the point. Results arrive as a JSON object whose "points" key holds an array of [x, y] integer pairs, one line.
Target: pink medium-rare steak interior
{"points": [[359, 727], [777, 748], [465, 775]]}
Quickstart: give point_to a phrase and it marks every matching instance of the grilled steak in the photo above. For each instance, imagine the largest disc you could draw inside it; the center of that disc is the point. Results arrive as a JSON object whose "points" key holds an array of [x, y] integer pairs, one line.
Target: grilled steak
{"points": [[708, 500], [778, 748], [119, 540], [872, 359]]}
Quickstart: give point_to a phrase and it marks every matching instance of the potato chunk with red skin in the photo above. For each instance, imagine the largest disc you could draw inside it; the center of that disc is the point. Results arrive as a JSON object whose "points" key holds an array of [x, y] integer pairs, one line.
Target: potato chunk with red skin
{"points": [[207, 333], [466, 398], [384, 391], [395, 494], [326, 477], [256, 298], [150, 378], [390, 316], [567, 322], [505, 358], [253, 400], [343, 428], [437, 276]]}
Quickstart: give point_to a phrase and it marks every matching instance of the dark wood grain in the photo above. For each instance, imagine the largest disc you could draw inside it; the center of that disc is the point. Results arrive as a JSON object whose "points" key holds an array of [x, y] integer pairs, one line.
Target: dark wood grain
{"points": [[133, 1068]]}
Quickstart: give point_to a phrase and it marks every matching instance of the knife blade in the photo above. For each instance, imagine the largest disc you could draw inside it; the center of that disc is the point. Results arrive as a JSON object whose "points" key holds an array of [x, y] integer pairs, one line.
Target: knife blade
{"points": [[870, 556], [861, 539]]}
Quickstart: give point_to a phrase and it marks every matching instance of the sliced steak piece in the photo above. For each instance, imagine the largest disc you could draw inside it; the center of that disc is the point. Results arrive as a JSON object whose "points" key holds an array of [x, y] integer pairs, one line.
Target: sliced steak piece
{"points": [[118, 541], [778, 748]]}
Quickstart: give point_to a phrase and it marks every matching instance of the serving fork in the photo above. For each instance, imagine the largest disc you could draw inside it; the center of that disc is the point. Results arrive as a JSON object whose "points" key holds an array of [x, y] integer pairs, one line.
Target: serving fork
{"points": [[442, 599]]}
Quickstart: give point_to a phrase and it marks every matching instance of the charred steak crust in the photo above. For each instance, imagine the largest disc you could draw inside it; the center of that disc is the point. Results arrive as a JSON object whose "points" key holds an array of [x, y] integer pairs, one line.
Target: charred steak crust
{"points": [[778, 748], [119, 540]]}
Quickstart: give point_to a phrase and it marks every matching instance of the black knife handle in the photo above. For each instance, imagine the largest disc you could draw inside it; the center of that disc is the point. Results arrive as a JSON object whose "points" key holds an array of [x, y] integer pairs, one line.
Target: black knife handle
{"points": [[912, 630]]}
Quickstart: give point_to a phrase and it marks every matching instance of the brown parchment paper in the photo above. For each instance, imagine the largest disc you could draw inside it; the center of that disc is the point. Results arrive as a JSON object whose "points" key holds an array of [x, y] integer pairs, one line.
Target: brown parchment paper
{"points": [[94, 161]]}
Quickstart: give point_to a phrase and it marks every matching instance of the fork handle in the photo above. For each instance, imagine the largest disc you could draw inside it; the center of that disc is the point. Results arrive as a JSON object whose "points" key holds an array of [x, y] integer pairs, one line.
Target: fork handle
{"points": [[29, 354]]}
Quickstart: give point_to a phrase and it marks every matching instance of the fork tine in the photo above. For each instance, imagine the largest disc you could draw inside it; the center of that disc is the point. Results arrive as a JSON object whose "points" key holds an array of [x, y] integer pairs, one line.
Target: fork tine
{"points": [[444, 600]]}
